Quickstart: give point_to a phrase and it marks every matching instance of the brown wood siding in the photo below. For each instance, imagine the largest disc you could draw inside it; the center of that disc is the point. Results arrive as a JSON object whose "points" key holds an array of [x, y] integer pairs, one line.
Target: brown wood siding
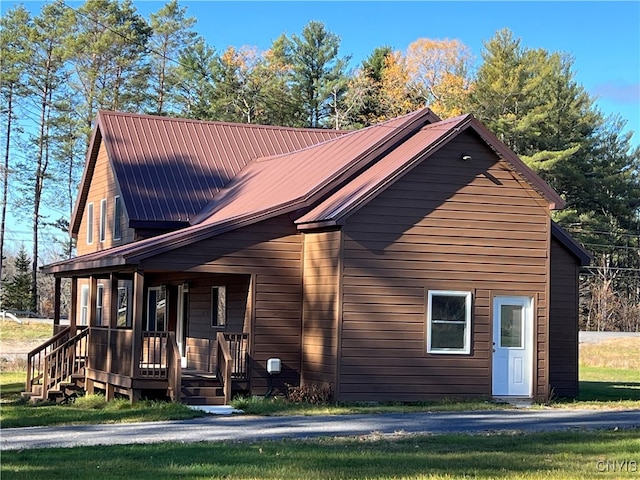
{"points": [[272, 252], [446, 225], [563, 322], [103, 185], [320, 308], [106, 300], [201, 335]]}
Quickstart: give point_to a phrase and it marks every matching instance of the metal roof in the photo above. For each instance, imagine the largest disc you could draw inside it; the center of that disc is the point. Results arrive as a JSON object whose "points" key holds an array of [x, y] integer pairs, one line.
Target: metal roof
{"points": [[321, 182], [168, 169]]}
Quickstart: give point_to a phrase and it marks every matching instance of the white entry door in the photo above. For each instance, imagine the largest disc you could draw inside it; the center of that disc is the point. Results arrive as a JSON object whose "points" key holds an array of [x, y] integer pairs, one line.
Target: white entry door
{"points": [[512, 346]]}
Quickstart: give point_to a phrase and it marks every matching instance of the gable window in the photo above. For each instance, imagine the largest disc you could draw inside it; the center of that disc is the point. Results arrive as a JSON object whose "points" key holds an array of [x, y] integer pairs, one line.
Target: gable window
{"points": [[117, 218], [218, 306], [99, 304], [449, 322], [84, 304], [90, 223], [123, 318], [103, 220], [156, 309]]}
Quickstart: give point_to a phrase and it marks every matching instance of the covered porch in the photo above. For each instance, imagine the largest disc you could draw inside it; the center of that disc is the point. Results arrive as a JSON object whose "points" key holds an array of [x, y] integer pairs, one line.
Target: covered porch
{"points": [[148, 333]]}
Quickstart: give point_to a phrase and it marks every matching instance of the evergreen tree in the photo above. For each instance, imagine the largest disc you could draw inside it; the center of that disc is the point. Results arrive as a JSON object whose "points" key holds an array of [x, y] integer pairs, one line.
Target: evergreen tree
{"points": [[196, 73], [172, 35], [14, 53], [17, 291], [46, 82], [107, 48], [316, 71]]}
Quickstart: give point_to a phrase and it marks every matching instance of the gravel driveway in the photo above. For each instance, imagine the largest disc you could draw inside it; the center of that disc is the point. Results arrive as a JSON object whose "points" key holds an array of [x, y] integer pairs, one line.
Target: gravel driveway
{"points": [[248, 428]]}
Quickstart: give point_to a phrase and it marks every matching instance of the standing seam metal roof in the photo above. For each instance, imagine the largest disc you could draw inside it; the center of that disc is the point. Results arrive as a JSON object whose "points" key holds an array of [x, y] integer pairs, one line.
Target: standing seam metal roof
{"points": [[168, 169]]}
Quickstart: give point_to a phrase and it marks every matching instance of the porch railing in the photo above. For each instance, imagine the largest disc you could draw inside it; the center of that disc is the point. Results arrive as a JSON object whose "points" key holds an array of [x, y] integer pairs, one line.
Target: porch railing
{"points": [[35, 358], [63, 362], [238, 347], [154, 355]]}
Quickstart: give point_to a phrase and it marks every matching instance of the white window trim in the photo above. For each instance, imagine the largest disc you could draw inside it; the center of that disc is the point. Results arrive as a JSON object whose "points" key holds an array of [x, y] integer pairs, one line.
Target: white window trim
{"points": [[84, 305], [89, 223], [467, 337], [124, 310], [166, 310], [100, 305], [220, 308], [117, 221], [103, 220]]}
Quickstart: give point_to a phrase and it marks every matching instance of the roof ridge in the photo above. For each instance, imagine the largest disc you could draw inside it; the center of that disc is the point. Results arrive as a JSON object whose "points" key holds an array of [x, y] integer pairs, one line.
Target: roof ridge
{"points": [[217, 122], [349, 133]]}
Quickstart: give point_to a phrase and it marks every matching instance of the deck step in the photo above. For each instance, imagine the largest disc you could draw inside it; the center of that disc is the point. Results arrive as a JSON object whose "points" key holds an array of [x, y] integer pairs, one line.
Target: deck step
{"points": [[199, 400], [201, 389]]}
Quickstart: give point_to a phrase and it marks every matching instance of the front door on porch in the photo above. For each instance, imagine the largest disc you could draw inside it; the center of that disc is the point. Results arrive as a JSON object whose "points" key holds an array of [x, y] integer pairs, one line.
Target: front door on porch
{"points": [[512, 346]]}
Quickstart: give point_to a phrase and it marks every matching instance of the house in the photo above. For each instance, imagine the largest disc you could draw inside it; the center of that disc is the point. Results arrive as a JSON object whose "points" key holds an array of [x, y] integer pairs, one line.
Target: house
{"points": [[412, 260]]}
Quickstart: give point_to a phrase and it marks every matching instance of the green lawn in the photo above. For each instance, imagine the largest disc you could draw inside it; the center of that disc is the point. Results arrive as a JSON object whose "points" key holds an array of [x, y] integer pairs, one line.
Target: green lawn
{"points": [[560, 455], [28, 331]]}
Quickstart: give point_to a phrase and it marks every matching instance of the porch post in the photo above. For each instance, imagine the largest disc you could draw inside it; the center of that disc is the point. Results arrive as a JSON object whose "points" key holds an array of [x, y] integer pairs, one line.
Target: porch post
{"points": [[111, 322], [73, 308], [138, 306], [56, 305]]}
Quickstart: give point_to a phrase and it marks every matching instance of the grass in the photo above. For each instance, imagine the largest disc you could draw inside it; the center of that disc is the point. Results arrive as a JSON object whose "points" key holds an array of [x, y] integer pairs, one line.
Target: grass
{"points": [[536, 456], [608, 379], [28, 331], [609, 375]]}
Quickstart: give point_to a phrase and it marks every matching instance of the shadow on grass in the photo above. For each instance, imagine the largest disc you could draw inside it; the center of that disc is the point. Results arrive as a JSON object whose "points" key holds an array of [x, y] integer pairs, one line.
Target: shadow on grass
{"points": [[609, 391]]}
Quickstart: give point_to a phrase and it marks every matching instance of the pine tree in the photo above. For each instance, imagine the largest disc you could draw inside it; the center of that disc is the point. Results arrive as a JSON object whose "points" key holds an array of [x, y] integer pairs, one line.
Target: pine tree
{"points": [[17, 291], [316, 71], [172, 35]]}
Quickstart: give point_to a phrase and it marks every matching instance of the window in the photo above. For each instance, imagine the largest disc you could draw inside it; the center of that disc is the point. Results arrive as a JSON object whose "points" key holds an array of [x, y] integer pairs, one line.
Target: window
{"points": [[103, 220], [157, 309], [84, 304], [90, 223], [99, 304], [449, 322], [123, 319], [117, 218], [218, 306]]}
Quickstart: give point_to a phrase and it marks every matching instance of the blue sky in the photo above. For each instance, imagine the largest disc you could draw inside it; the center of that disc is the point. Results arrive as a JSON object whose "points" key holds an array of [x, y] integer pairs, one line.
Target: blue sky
{"points": [[603, 37]]}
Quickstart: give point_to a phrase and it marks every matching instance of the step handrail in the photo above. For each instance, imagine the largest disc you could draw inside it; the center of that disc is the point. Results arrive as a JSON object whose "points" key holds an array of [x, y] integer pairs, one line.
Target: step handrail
{"points": [[34, 366], [225, 363], [174, 368], [64, 361]]}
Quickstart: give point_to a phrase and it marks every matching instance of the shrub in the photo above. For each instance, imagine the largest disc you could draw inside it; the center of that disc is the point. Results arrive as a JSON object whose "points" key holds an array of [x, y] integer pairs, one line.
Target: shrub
{"points": [[312, 394]]}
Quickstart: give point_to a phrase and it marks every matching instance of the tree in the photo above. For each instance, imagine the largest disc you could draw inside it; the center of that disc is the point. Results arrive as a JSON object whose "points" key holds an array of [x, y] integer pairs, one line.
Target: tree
{"points": [[172, 35], [439, 73], [14, 52], [316, 70], [45, 79], [17, 291], [107, 48], [195, 89]]}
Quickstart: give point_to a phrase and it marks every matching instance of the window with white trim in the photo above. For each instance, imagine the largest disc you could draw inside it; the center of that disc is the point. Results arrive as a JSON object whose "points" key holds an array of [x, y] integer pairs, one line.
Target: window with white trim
{"points": [[156, 309], [123, 318], [99, 304], [103, 220], [89, 223], [449, 322], [84, 304], [117, 218], [218, 306]]}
